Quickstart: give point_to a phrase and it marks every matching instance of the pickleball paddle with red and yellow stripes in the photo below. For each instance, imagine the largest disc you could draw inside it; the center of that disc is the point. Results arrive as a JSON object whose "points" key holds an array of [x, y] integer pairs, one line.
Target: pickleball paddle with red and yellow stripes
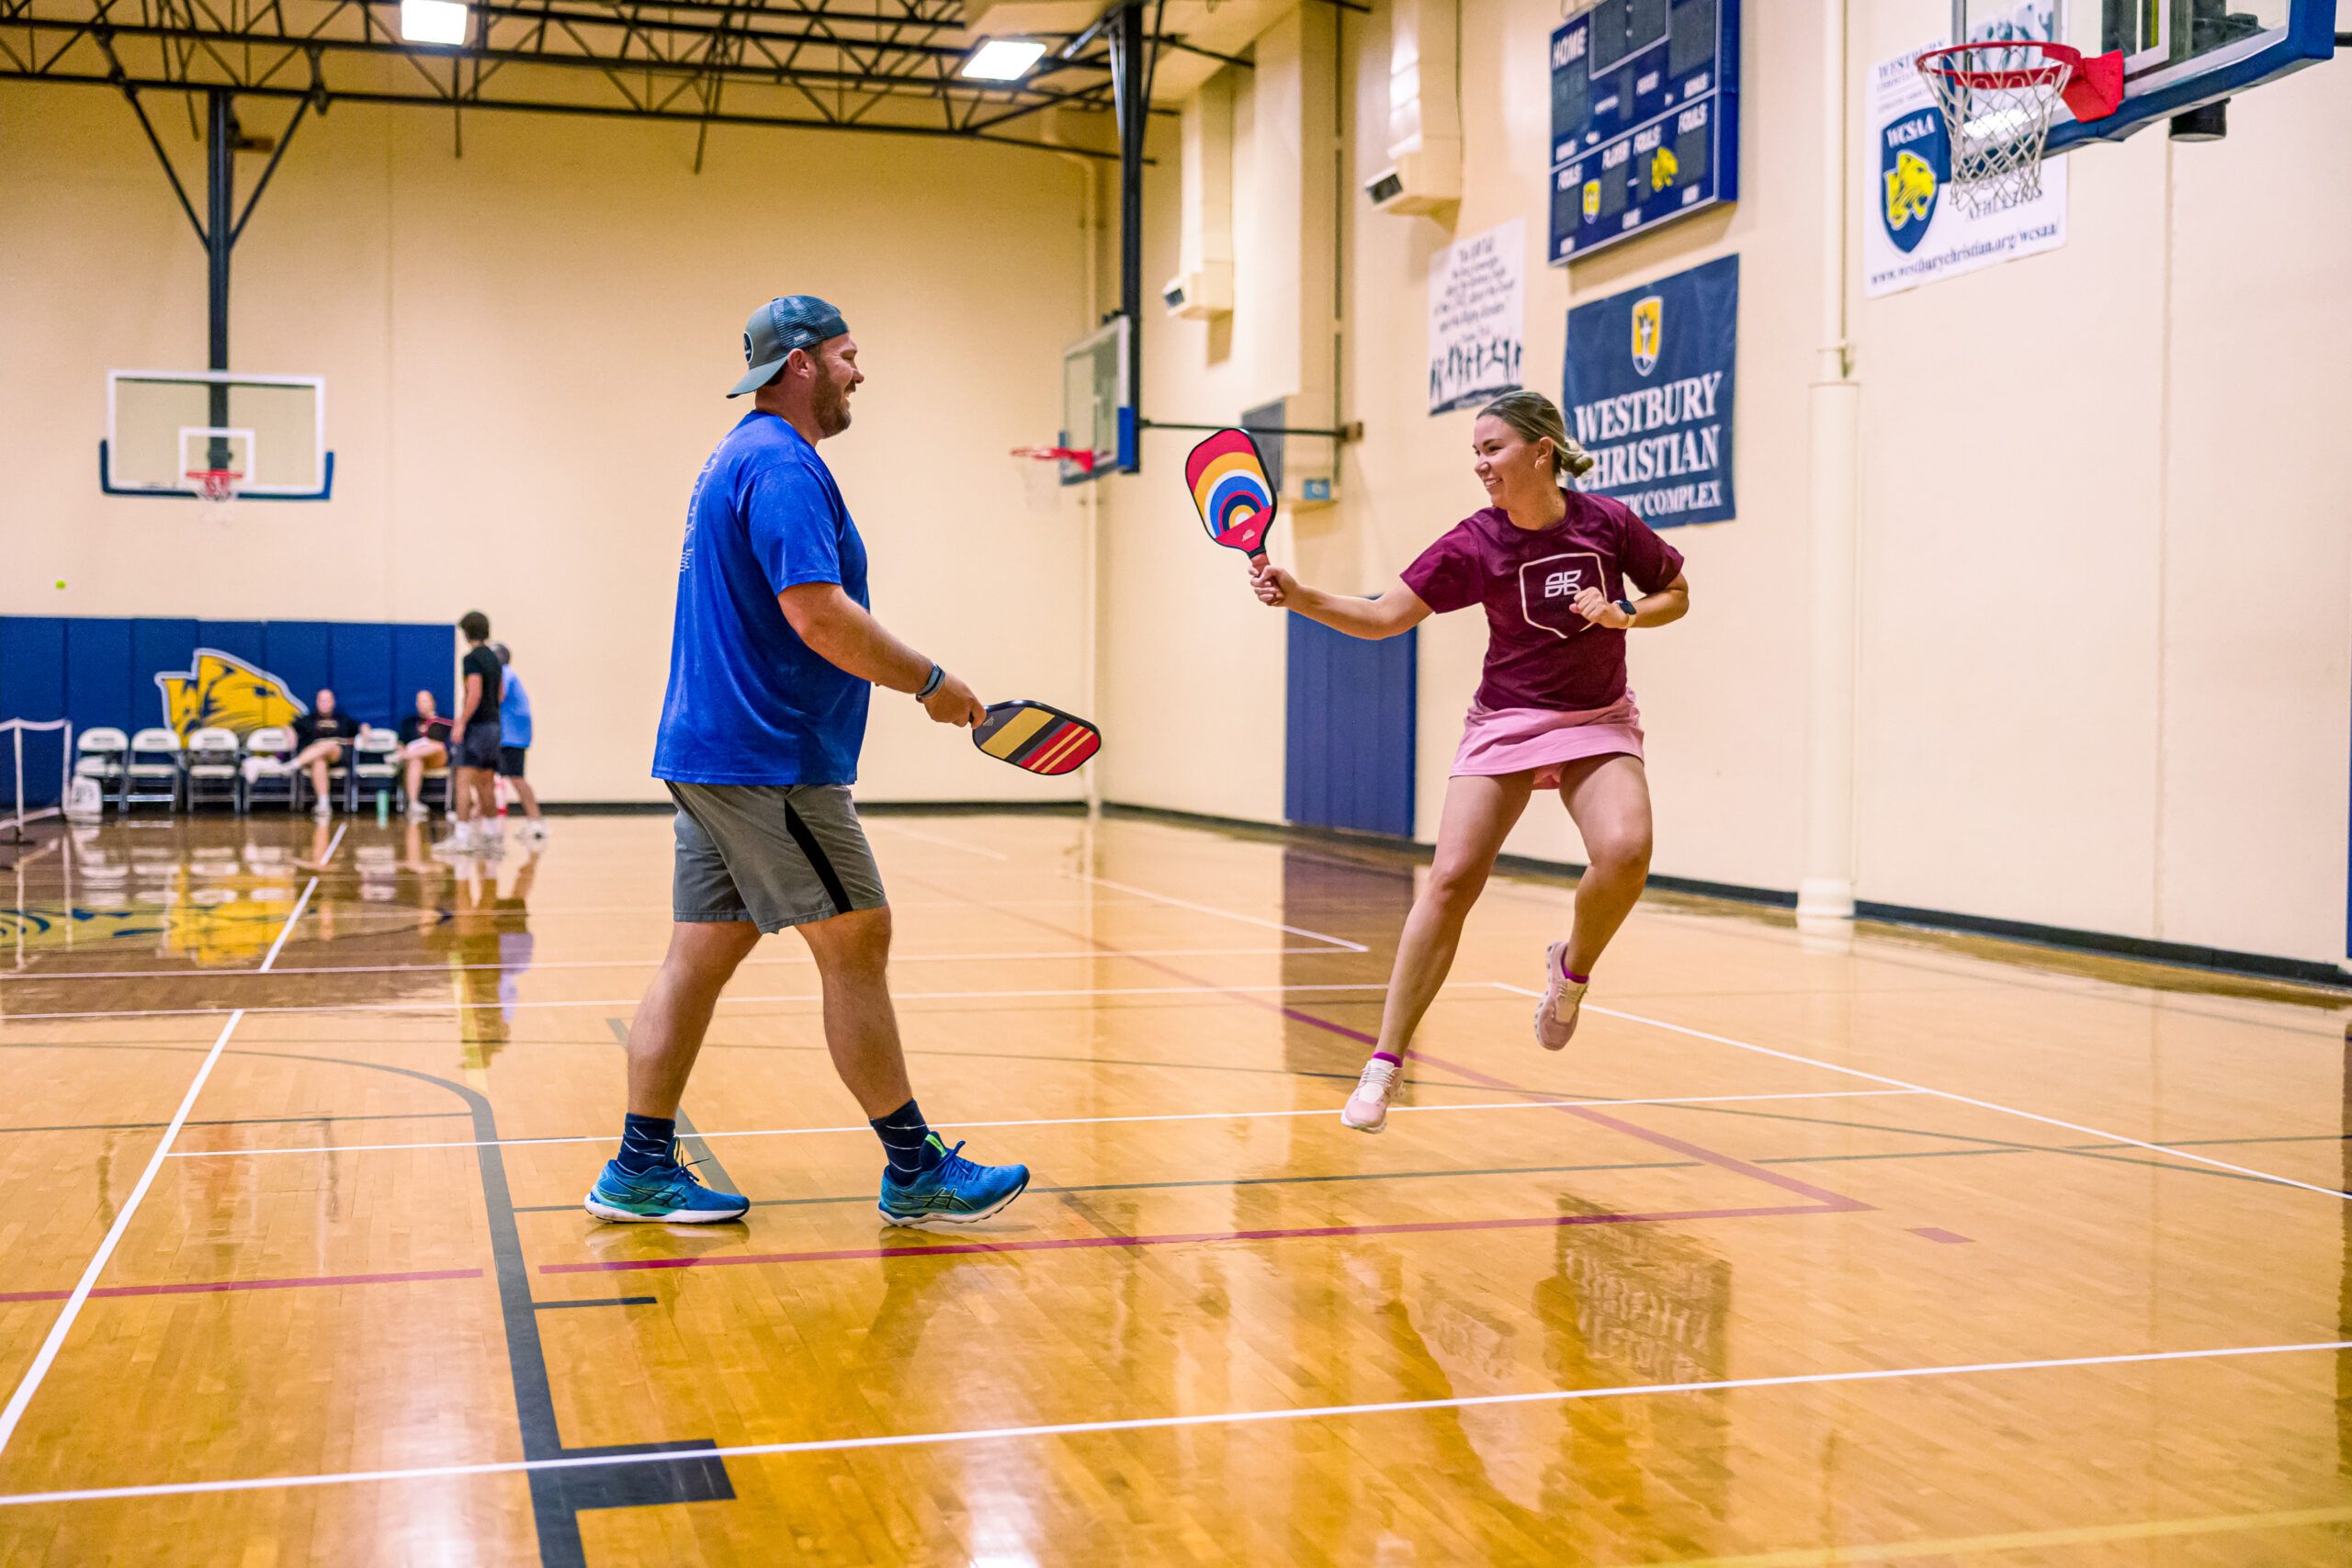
{"points": [[1039, 738]]}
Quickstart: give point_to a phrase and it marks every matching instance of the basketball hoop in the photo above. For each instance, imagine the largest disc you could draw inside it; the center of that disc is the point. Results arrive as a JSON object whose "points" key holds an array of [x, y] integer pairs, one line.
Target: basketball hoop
{"points": [[1043, 484], [1998, 99], [216, 492], [1085, 460]]}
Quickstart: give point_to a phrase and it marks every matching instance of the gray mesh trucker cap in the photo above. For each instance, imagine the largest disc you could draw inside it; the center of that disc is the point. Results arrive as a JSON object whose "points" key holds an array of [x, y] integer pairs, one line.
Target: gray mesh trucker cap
{"points": [[776, 328]]}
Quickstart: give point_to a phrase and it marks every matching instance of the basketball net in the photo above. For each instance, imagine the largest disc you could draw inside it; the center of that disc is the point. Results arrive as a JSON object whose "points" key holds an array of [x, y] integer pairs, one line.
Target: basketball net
{"points": [[1042, 467], [216, 492]]}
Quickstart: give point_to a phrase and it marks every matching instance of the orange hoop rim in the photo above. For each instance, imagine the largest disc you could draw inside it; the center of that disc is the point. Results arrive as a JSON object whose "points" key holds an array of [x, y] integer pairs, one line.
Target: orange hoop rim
{"points": [[216, 484], [1085, 460], [2059, 55]]}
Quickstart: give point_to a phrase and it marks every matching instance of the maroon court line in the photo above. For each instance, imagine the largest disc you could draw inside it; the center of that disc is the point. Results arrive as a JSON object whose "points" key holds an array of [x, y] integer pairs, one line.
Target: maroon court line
{"points": [[1195, 1238], [209, 1287], [1830, 1202]]}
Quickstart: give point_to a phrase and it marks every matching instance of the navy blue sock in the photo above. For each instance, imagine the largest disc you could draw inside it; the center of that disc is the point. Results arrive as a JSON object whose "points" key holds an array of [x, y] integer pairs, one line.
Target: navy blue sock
{"points": [[645, 1143], [905, 1137]]}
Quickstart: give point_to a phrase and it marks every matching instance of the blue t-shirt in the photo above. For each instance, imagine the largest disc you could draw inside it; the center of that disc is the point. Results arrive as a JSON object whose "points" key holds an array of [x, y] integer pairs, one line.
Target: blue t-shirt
{"points": [[514, 712], [749, 702]]}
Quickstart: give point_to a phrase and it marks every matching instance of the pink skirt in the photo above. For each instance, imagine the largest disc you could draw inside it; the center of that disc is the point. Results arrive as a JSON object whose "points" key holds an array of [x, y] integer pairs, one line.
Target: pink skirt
{"points": [[1513, 740]]}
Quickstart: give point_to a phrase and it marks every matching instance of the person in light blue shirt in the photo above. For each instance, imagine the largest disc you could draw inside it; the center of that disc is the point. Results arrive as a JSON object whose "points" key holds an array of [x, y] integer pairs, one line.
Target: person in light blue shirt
{"points": [[773, 658], [513, 741]]}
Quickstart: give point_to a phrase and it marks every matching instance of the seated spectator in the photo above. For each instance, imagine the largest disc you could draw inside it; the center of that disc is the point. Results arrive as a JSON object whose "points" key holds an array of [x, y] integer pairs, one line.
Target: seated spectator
{"points": [[425, 743], [322, 735]]}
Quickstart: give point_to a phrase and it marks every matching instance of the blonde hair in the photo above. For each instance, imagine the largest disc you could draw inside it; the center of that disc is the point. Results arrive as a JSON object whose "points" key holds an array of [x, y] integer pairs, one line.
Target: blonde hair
{"points": [[1536, 418]]}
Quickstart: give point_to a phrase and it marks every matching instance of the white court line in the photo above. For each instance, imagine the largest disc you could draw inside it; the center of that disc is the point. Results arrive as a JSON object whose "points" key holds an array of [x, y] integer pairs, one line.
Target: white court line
{"points": [[1148, 1424], [1947, 1094], [930, 838], [1338, 942], [1061, 1121], [73, 1308], [300, 905], [31, 1382], [803, 960], [425, 1005]]}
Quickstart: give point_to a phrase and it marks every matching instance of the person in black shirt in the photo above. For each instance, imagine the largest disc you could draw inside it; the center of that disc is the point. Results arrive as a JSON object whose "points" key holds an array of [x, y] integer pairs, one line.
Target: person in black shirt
{"points": [[322, 735], [425, 743], [475, 802]]}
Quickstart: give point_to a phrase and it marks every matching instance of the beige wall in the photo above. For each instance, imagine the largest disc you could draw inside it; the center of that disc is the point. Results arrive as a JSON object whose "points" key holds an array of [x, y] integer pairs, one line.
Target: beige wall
{"points": [[525, 350], [2106, 635]]}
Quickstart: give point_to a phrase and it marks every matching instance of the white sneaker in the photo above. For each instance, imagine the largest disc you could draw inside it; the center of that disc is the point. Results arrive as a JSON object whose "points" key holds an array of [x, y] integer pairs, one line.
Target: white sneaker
{"points": [[535, 829], [1556, 1015], [322, 811], [1367, 1109], [416, 812]]}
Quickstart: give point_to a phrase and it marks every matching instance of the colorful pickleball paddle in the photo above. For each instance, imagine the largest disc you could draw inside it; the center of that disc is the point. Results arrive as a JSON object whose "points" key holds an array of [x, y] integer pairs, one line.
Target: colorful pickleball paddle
{"points": [[1037, 738], [1228, 481]]}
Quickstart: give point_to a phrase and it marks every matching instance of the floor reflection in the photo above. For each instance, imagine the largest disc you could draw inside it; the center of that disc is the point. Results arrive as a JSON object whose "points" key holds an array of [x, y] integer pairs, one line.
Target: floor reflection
{"points": [[192, 906]]}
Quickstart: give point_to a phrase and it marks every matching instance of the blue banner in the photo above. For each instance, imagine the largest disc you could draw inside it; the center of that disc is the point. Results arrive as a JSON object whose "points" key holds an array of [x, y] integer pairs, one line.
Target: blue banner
{"points": [[1647, 390]]}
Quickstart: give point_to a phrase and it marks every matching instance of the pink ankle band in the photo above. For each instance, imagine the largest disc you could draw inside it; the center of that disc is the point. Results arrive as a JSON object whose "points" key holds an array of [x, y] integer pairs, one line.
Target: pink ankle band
{"points": [[1389, 1056], [1577, 979]]}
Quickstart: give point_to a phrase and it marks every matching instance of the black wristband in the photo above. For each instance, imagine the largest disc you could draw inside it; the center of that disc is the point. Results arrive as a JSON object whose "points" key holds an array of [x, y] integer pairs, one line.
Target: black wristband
{"points": [[937, 675], [1631, 613]]}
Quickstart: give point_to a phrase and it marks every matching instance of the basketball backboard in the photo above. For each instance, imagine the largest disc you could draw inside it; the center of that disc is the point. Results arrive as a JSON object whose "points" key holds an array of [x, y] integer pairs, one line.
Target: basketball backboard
{"points": [[164, 425], [2179, 55], [1096, 414]]}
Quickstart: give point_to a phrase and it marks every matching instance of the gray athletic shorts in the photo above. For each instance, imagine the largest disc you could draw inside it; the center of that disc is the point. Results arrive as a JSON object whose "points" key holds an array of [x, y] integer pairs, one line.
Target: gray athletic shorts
{"points": [[777, 855]]}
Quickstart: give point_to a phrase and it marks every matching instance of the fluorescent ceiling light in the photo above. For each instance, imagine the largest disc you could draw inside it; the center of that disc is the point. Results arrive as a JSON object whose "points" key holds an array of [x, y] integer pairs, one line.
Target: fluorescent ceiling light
{"points": [[998, 60], [433, 21]]}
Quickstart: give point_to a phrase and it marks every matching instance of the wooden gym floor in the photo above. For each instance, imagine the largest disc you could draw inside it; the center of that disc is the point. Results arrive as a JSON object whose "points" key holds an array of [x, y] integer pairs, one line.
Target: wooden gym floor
{"points": [[1803, 1253]]}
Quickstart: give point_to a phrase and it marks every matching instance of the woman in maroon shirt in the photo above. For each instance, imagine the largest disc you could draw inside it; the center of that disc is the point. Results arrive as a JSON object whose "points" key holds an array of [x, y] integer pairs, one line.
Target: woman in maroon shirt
{"points": [[1556, 570]]}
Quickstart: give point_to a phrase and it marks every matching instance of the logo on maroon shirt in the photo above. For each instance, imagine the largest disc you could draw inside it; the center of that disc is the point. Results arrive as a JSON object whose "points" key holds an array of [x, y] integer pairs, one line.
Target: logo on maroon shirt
{"points": [[1548, 587]]}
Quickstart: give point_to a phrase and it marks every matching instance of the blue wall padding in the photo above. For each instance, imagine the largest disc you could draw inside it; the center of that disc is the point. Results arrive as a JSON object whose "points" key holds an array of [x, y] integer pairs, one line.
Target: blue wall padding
{"points": [[32, 685], [248, 640], [155, 645], [301, 654], [425, 658], [1349, 759], [101, 671], [362, 676], [98, 687]]}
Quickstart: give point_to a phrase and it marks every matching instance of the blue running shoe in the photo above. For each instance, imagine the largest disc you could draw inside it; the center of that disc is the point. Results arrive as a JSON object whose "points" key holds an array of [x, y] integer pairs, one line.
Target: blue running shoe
{"points": [[668, 1194], [955, 1191]]}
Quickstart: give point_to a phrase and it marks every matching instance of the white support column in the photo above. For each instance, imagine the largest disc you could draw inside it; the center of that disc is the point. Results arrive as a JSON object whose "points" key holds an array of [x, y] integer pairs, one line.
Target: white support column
{"points": [[1827, 891]]}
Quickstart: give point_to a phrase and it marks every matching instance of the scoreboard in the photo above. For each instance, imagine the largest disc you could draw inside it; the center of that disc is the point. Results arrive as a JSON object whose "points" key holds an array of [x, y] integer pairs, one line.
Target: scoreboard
{"points": [[1645, 118]]}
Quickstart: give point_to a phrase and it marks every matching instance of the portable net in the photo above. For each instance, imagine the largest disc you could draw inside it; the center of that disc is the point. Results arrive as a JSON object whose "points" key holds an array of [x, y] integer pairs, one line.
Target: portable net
{"points": [[1996, 100]]}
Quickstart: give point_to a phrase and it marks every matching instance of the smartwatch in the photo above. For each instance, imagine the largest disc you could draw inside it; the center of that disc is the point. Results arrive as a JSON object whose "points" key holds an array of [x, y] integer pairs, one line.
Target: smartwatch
{"points": [[1627, 606], [937, 675]]}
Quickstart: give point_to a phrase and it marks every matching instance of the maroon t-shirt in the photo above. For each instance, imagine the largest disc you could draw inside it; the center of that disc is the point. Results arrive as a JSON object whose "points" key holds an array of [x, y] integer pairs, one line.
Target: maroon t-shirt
{"points": [[1541, 653]]}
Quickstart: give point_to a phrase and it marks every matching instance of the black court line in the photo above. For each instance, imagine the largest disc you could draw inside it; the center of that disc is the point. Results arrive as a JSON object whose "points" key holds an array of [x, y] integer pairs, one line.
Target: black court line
{"points": [[2086, 1151], [594, 1300], [234, 1122], [557, 1496]]}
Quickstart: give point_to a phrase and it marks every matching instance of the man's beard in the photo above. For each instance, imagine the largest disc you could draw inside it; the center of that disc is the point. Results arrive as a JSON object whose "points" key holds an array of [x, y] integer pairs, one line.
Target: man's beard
{"points": [[831, 404]]}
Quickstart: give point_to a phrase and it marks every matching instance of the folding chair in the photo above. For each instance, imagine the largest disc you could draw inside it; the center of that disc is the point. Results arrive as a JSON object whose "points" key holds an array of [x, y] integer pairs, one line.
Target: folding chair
{"points": [[102, 752], [212, 768], [265, 770], [152, 774], [375, 766]]}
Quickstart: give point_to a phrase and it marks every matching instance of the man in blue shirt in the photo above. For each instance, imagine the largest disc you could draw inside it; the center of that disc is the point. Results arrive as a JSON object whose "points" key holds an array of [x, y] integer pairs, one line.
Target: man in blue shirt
{"points": [[515, 744], [771, 661]]}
